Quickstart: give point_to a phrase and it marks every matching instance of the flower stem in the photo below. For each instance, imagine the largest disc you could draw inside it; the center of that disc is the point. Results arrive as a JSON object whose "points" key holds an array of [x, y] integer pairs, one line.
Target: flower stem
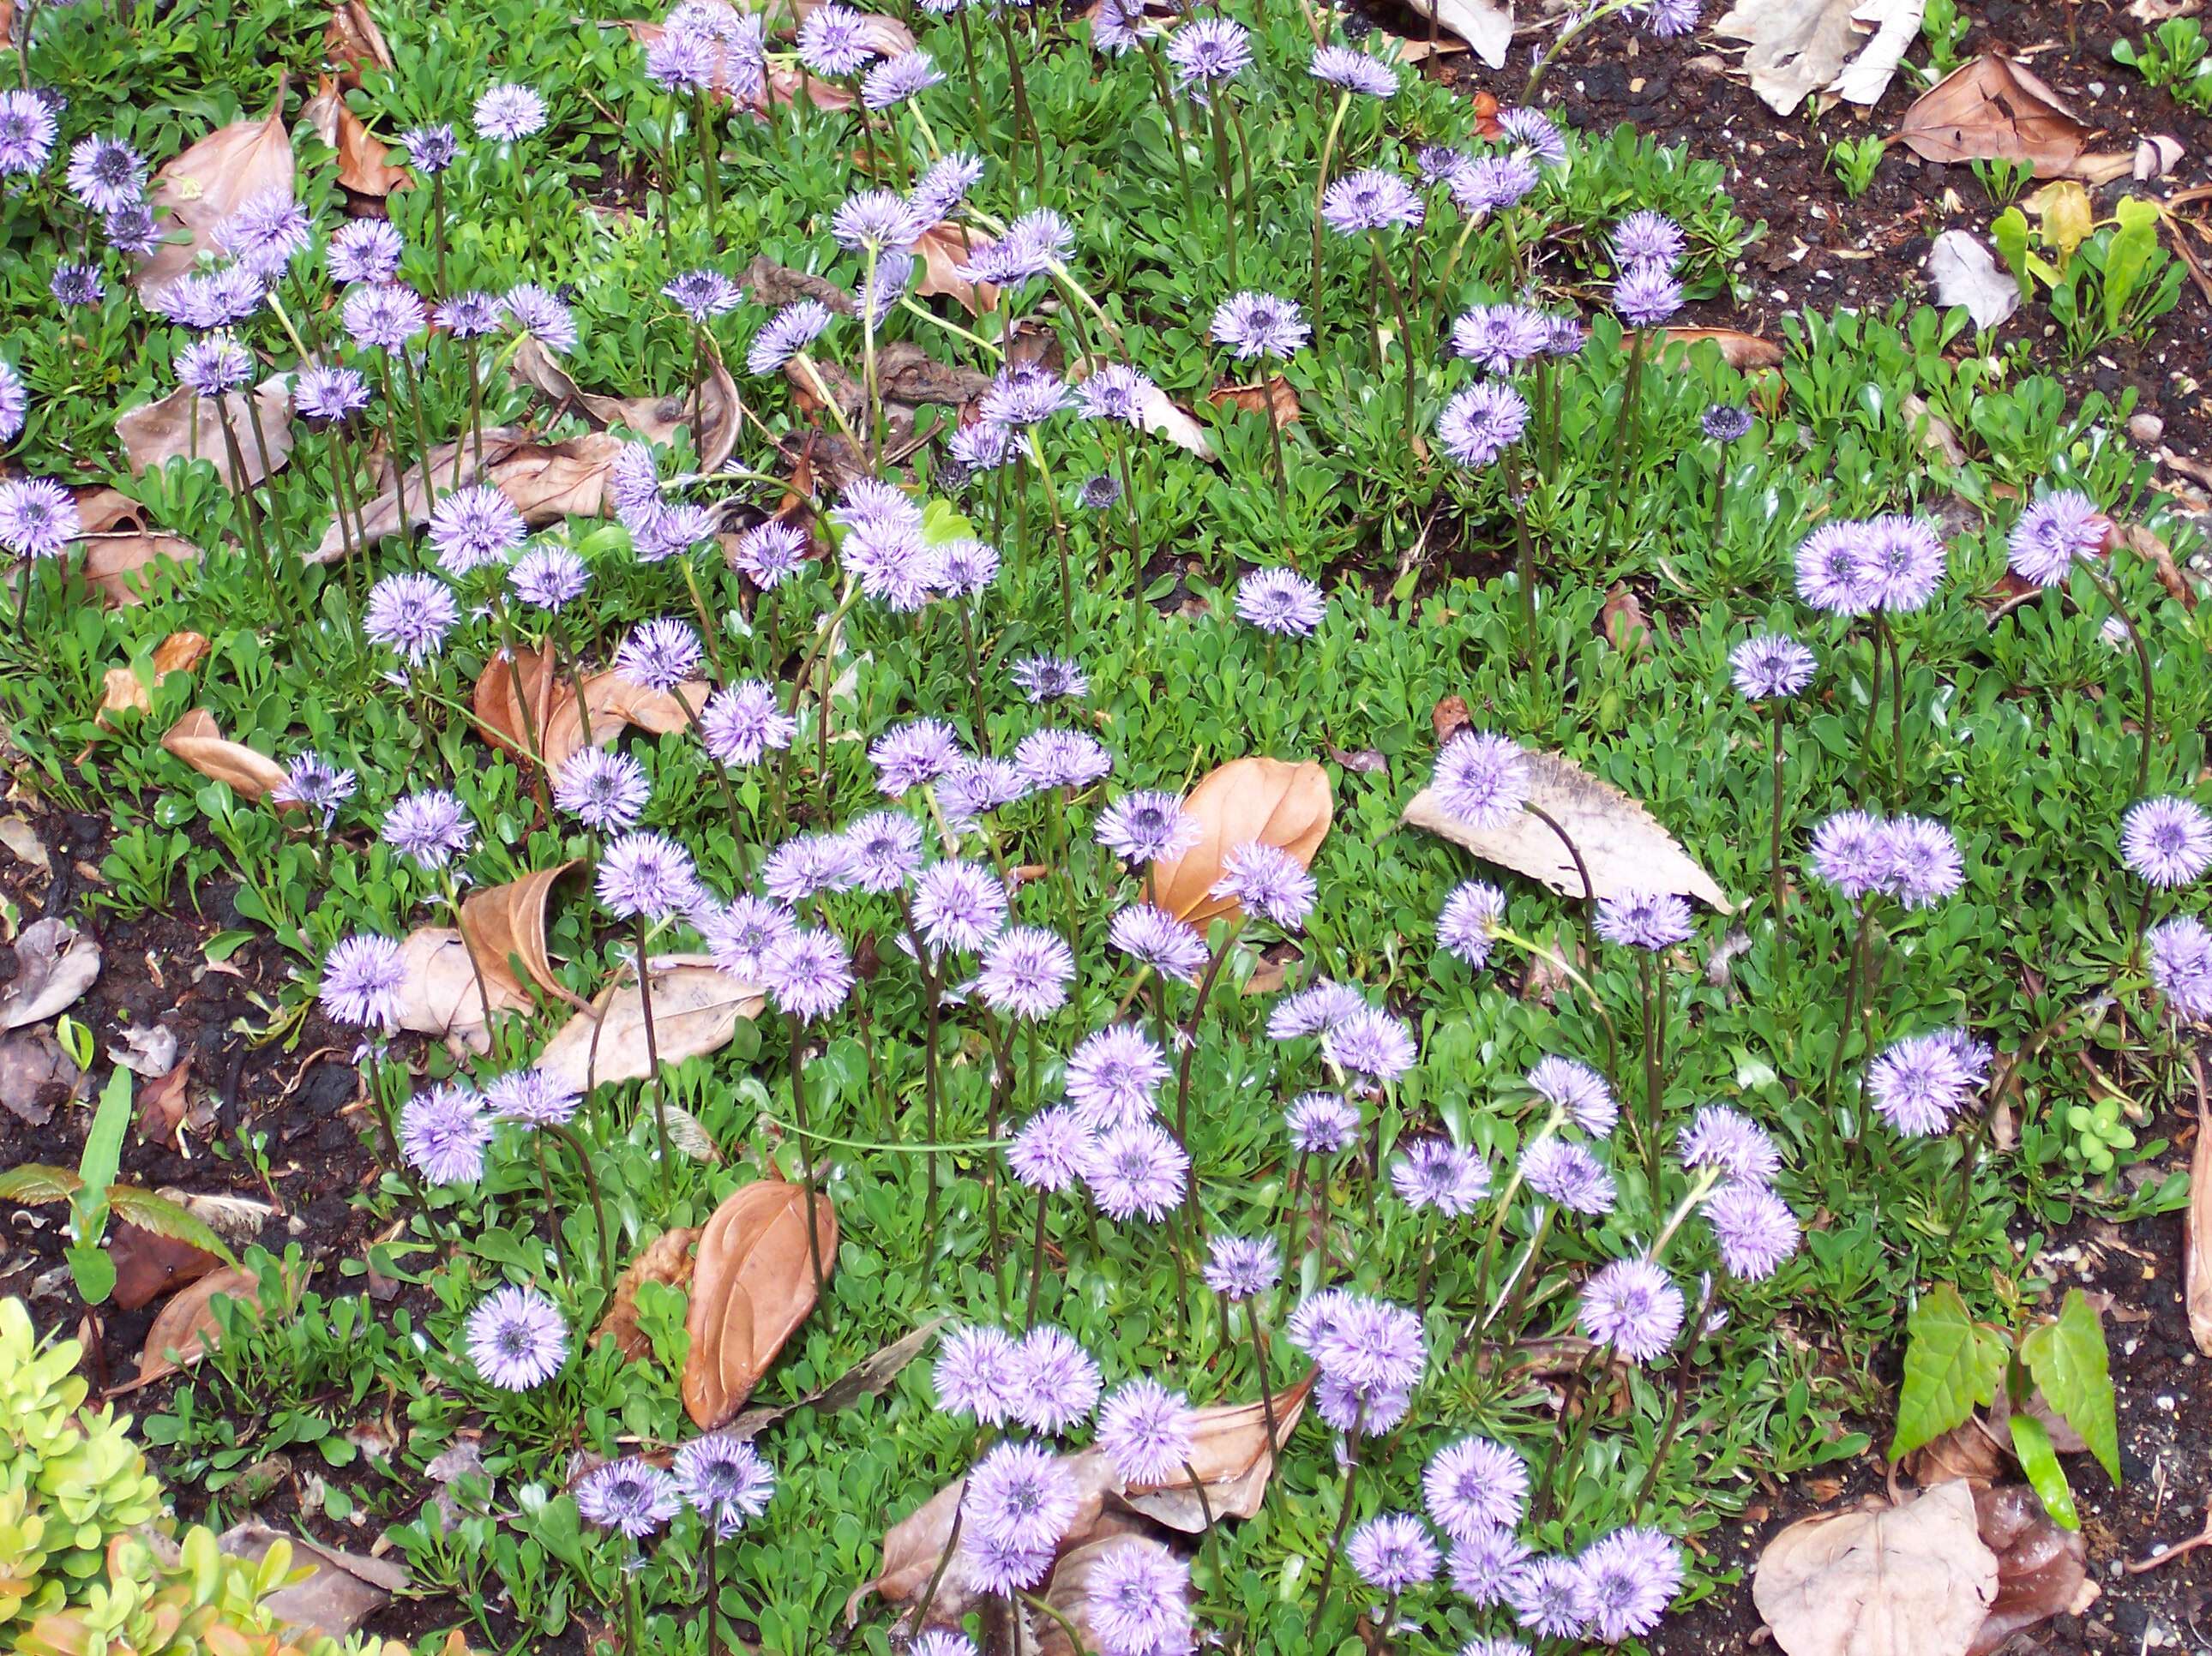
{"points": [[1343, 1521], [806, 1155], [652, 1061], [568, 1136]]}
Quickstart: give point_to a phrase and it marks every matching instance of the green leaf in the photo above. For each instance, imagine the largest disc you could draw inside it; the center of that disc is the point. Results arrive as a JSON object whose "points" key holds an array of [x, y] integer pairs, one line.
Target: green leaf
{"points": [[1950, 1363], [93, 1270], [2134, 245], [222, 946], [2009, 231], [103, 1145], [164, 1218], [2031, 1442], [2068, 1359], [35, 1183]]}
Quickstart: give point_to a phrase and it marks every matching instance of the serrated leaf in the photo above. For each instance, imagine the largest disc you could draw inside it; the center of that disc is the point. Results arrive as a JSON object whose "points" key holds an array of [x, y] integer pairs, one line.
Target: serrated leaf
{"points": [[2032, 1443], [164, 1218], [1952, 1363], [2068, 1359], [36, 1183]]}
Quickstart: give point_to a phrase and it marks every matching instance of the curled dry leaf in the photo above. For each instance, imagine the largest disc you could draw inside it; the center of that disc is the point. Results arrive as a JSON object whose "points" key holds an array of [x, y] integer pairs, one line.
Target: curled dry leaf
{"points": [[1741, 351], [364, 166], [183, 426], [778, 285], [614, 704], [147, 1266], [1164, 417], [546, 482], [696, 1008], [198, 741], [55, 963], [1795, 48], [1994, 109], [2041, 1568], [1622, 844], [206, 184], [1275, 395], [337, 1591], [1282, 805], [1912, 1580], [1969, 1451], [711, 410], [185, 1327], [125, 691], [666, 1260], [1965, 272], [117, 545], [165, 1106], [440, 994], [870, 1377], [941, 249], [1450, 717], [513, 699], [1229, 1453], [752, 1283], [353, 40], [506, 926], [1621, 620]]}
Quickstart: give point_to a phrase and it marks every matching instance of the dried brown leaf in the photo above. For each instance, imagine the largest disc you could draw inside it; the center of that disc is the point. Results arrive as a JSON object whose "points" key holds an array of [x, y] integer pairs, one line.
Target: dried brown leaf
{"points": [[1741, 351], [942, 248], [206, 184], [353, 39], [55, 963], [696, 1008], [1994, 109], [752, 1283], [614, 704], [198, 741], [778, 285], [507, 684], [336, 1590], [1969, 1451], [870, 1377], [711, 410], [1282, 805], [148, 1267], [2040, 1567], [666, 1260], [1275, 394], [546, 482], [1450, 717], [186, 1326], [440, 994], [110, 562], [1229, 1444], [506, 925], [183, 426], [164, 1105], [1912, 1580], [125, 692], [1620, 618]]}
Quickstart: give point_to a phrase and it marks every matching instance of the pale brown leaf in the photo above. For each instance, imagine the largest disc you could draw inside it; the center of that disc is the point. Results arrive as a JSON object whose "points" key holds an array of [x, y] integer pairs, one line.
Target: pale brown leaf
{"points": [[1994, 109], [119, 565], [198, 741], [440, 994], [1912, 1580], [353, 39], [870, 1377], [696, 1008], [613, 703], [1229, 1445], [148, 1267], [1741, 351], [506, 923], [1621, 843], [165, 1106], [711, 410], [187, 1326], [206, 184], [1969, 1451], [364, 166], [546, 482], [507, 683], [1281, 805], [55, 963], [941, 249], [1275, 396], [752, 1283], [125, 692], [335, 1591], [185, 425], [666, 1260], [1486, 26]]}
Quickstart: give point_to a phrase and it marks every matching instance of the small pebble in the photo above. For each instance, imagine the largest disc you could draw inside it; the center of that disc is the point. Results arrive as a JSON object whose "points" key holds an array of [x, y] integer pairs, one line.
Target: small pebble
{"points": [[2146, 427]]}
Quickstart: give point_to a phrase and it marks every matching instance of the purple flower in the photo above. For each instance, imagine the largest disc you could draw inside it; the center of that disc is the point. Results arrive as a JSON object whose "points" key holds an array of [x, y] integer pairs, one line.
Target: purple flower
{"points": [[1646, 237], [1240, 1267], [1117, 392], [314, 784], [645, 875], [1753, 1228], [1903, 561], [1136, 1599], [1568, 1084], [27, 130], [2180, 954], [959, 906], [913, 755], [541, 315], [1630, 1576], [443, 1134], [531, 1096], [383, 316], [1725, 423], [941, 1642], [660, 654], [807, 974], [362, 976], [835, 40], [945, 185], [1035, 244], [1831, 570], [326, 396], [106, 174], [1848, 853], [1049, 678], [1497, 337], [1372, 1345], [787, 333], [265, 232], [1280, 601], [1366, 1042], [768, 552], [1393, 1552], [1002, 1567], [430, 149], [1482, 778], [1020, 1495], [1026, 972], [1268, 881], [1117, 26], [1634, 1306], [1152, 936], [893, 80], [364, 249], [1112, 1076], [1353, 70], [681, 61], [976, 1375], [631, 1496], [1061, 758], [1481, 422], [77, 285], [1467, 927], [1492, 183], [1646, 294], [475, 526], [1718, 1136], [1920, 862], [1483, 1565], [1474, 1486], [208, 368], [516, 1340], [1049, 1152], [1208, 51], [2166, 841], [1136, 1169], [886, 850], [1770, 666], [602, 789], [1023, 396], [1145, 1432], [2052, 533], [739, 936], [15, 403], [742, 722], [1434, 1173], [1568, 1175], [132, 231], [432, 826], [725, 1480], [1147, 827], [1314, 1010], [550, 578], [1651, 920], [1055, 1382], [1322, 1123], [1918, 1083], [703, 294], [506, 112], [38, 518], [875, 221], [1668, 19], [1549, 1599], [1370, 1411], [1252, 323], [1370, 199]]}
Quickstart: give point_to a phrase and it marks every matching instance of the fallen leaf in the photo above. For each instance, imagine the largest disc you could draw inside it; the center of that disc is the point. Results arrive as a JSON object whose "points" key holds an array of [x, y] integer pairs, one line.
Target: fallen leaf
{"points": [[943, 247], [206, 184], [690, 1135], [1795, 48], [1275, 395], [55, 963], [667, 1260], [696, 1008], [23, 843], [148, 1267], [2155, 156], [1971, 1451], [2197, 1224], [545, 481], [508, 682], [1164, 417], [1486, 26], [1361, 762], [1936, 432], [340, 1590], [1621, 843], [711, 409], [107, 561], [870, 1377], [440, 995], [36, 1076], [2040, 1567], [1620, 618], [2148, 545], [198, 741], [778, 285], [185, 425], [506, 925], [124, 691], [1450, 717], [363, 167], [1229, 1443], [185, 1325], [614, 703], [1067, 1590], [1994, 109], [1965, 272], [1741, 351], [752, 1283], [147, 1049], [1282, 805], [353, 39], [163, 1105], [2067, 214], [1912, 1580]]}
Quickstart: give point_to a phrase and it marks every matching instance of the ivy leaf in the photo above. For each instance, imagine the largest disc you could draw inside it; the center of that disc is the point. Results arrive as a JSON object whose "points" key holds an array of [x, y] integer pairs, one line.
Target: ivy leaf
{"points": [[1950, 1363], [35, 1183], [2031, 1442], [2067, 1358], [164, 1218]]}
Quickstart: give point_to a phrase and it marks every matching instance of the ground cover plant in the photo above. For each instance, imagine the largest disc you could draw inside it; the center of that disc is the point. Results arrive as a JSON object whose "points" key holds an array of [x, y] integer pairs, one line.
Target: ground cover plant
{"points": [[1109, 866]]}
